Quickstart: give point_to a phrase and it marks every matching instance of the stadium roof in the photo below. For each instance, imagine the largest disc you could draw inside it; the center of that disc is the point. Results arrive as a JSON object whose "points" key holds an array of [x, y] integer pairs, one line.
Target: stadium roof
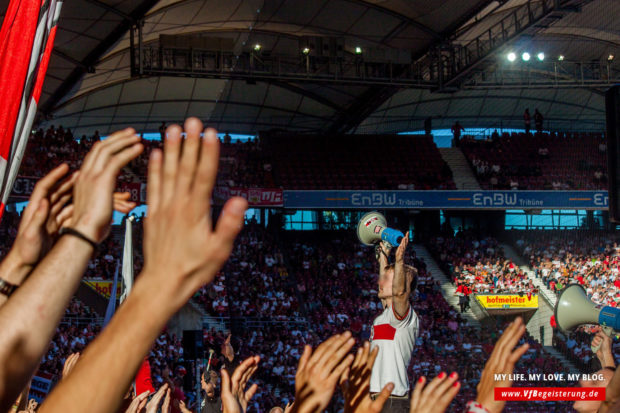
{"points": [[90, 84]]}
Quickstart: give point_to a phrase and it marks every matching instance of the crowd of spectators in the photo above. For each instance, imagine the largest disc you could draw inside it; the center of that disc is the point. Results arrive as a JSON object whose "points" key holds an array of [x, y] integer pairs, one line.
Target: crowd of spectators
{"points": [[561, 258], [242, 164], [479, 263], [543, 161]]}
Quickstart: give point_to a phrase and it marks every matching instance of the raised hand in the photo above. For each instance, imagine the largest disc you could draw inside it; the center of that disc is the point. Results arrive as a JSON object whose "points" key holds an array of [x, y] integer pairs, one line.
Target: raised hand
{"points": [[138, 403], [165, 407], [178, 236], [355, 384], [70, 364], [153, 405], [235, 397], [181, 406], [400, 251], [502, 361], [436, 397], [39, 224], [93, 198], [318, 373], [601, 345], [227, 349]]}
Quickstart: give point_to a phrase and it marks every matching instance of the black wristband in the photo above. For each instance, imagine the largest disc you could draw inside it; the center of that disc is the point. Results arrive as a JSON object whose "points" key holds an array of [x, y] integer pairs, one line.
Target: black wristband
{"points": [[7, 288], [76, 233]]}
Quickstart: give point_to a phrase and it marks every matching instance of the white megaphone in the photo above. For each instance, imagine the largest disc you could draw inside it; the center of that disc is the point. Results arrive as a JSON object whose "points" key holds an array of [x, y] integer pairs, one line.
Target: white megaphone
{"points": [[373, 229], [574, 308]]}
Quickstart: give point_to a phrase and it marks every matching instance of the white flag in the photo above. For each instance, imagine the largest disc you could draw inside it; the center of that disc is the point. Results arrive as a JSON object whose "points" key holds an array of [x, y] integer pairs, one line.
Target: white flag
{"points": [[127, 259]]}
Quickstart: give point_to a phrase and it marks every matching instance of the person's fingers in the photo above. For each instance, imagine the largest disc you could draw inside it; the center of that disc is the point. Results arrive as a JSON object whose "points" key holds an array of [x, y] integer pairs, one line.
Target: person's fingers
{"points": [[371, 359], [121, 196], [158, 396], [110, 149], [329, 348], [122, 158], [377, 404], [64, 216], [516, 355], [189, 157], [64, 187], [153, 183], [124, 207], [242, 369], [303, 360], [417, 391], [430, 388], [512, 342], [344, 378], [339, 354], [43, 187], [59, 204], [251, 392], [207, 166], [340, 368], [172, 150], [40, 216], [449, 395], [230, 223], [226, 386], [358, 359], [446, 384], [248, 373]]}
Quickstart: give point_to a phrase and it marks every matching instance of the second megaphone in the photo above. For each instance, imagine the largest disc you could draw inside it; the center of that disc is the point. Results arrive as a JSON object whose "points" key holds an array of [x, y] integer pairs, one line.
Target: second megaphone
{"points": [[574, 308], [373, 228]]}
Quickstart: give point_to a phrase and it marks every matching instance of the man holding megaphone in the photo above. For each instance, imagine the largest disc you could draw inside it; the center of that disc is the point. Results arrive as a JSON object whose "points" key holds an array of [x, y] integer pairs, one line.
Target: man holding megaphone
{"points": [[395, 330]]}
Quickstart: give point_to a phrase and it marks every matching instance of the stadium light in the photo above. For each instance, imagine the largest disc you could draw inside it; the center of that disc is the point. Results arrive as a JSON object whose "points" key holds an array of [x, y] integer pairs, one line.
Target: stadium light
{"points": [[541, 56], [358, 50], [511, 57], [257, 47], [306, 50], [610, 57], [561, 57], [525, 56]]}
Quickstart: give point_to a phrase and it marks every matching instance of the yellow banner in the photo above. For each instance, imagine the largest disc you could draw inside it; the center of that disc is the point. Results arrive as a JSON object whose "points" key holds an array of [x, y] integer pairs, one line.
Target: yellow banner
{"points": [[507, 301], [104, 287]]}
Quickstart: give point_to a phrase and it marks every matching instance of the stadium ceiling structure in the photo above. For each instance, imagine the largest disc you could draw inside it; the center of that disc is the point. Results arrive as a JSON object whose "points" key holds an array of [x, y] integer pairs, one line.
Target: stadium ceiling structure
{"points": [[329, 66]]}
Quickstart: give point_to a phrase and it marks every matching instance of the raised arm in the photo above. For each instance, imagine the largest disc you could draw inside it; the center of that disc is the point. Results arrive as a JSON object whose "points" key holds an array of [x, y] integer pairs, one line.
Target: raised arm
{"points": [[29, 319], [402, 280], [382, 252], [182, 252]]}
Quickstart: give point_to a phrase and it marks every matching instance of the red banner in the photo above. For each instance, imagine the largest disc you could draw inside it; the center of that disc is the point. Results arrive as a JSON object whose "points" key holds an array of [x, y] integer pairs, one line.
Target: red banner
{"points": [[257, 197], [549, 393], [135, 189]]}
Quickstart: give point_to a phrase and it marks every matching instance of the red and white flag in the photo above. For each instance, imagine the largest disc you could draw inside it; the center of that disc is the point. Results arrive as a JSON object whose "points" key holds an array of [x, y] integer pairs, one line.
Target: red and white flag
{"points": [[26, 41]]}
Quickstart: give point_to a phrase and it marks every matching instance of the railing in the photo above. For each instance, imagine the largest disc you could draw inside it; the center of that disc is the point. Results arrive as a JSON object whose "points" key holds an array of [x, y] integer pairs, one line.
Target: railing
{"points": [[71, 320], [157, 60], [258, 322]]}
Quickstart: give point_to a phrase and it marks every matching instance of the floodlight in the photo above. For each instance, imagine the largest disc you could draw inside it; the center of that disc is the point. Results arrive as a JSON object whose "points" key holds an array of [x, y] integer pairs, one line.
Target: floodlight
{"points": [[511, 57], [525, 56], [541, 56]]}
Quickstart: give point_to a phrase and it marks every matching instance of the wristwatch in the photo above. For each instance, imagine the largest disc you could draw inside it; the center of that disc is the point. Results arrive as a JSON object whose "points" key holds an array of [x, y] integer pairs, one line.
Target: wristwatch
{"points": [[7, 288]]}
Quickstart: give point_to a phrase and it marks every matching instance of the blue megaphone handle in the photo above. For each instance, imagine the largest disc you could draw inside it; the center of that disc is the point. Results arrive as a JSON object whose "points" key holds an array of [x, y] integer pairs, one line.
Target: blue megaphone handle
{"points": [[610, 316], [392, 236]]}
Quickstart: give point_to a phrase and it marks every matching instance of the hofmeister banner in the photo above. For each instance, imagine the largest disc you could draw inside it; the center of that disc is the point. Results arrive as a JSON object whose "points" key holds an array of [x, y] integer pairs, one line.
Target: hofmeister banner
{"points": [[507, 301]]}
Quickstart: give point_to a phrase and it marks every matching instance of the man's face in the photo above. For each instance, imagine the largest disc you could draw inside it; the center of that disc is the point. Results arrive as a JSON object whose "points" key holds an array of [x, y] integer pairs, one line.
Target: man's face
{"points": [[385, 284], [586, 406]]}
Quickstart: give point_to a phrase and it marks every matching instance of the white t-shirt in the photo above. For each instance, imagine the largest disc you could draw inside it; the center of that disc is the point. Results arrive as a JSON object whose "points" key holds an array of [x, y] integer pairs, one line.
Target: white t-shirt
{"points": [[395, 338]]}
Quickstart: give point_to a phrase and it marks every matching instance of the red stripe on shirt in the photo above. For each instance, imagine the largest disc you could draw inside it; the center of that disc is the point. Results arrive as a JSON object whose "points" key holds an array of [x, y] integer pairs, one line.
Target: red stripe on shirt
{"points": [[383, 332]]}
